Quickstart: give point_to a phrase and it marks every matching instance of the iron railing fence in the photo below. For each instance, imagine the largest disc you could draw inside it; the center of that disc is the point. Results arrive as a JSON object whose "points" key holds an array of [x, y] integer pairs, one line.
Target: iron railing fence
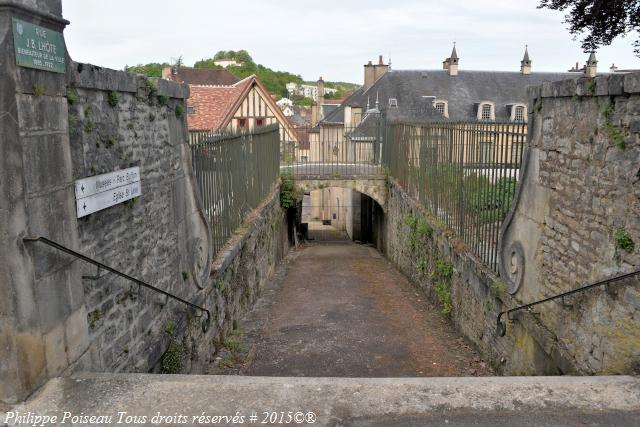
{"points": [[332, 151], [235, 172], [464, 173]]}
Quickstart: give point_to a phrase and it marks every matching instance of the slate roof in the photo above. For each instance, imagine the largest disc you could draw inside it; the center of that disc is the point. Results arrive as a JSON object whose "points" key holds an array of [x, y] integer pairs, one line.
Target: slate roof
{"points": [[463, 93], [204, 76]]}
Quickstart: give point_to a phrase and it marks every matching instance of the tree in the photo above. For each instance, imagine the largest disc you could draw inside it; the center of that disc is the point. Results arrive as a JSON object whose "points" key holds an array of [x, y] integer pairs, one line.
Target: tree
{"points": [[153, 69], [602, 20]]}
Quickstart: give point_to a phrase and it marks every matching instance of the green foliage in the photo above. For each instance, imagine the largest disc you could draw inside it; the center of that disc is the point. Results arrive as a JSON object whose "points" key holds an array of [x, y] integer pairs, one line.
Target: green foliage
{"points": [[114, 98], [73, 121], [94, 316], [111, 141], [499, 287], [153, 69], [131, 202], [179, 110], [274, 81], [38, 90], [599, 21], [172, 358], [537, 107], [441, 275], [89, 126], [303, 101], [443, 270], [591, 86], [152, 117], [163, 99], [185, 276], [443, 291], [615, 135], [290, 193], [169, 327], [623, 240], [613, 132], [72, 96]]}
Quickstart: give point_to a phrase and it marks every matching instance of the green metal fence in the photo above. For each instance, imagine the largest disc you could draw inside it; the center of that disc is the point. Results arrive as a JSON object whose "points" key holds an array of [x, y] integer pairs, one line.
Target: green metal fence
{"points": [[464, 173], [332, 151], [235, 172]]}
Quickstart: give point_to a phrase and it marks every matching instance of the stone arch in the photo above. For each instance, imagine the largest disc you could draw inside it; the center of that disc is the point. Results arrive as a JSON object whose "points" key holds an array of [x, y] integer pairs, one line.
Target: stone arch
{"points": [[374, 187]]}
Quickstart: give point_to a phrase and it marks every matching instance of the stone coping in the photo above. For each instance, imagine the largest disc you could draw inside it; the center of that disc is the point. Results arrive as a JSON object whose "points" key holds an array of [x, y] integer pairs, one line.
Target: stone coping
{"points": [[331, 398], [602, 85]]}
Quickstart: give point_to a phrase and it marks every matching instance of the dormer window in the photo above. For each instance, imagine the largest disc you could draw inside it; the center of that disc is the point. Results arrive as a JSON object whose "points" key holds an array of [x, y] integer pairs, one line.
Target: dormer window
{"points": [[441, 107], [519, 113], [393, 102], [486, 111]]}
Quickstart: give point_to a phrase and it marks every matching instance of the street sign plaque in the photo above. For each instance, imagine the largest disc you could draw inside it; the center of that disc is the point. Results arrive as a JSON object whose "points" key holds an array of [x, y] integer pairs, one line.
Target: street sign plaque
{"points": [[38, 47], [99, 192]]}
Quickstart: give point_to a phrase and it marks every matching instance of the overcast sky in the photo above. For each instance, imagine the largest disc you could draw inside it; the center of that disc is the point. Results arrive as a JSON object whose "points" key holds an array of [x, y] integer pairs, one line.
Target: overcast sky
{"points": [[332, 38]]}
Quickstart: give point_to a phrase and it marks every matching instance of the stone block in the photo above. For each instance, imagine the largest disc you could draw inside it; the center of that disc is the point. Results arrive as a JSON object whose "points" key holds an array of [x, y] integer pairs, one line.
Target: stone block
{"points": [[47, 162], [632, 83], [76, 334], [52, 299], [616, 84], [563, 88], [602, 85], [90, 76], [172, 89], [42, 113], [54, 345]]}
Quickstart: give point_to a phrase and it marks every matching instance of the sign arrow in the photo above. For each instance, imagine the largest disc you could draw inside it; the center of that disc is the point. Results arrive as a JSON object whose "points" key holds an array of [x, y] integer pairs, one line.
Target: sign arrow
{"points": [[82, 188], [84, 207]]}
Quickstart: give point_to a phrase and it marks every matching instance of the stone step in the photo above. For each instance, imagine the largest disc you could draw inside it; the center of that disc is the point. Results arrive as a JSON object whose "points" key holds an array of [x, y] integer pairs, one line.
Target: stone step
{"points": [[606, 400]]}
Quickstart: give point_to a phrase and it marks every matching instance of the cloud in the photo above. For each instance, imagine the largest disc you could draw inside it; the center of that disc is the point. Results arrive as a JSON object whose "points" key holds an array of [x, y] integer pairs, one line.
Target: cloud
{"points": [[333, 37]]}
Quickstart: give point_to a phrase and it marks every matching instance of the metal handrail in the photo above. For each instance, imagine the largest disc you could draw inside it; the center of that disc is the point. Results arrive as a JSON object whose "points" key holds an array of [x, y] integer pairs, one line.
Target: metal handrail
{"points": [[205, 323], [501, 327]]}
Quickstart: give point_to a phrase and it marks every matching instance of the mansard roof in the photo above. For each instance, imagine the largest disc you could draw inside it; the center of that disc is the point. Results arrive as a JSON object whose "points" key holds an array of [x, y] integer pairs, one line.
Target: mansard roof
{"points": [[415, 90]]}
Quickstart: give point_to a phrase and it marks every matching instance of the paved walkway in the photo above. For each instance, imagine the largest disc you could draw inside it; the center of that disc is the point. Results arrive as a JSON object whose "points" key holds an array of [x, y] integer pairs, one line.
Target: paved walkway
{"points": [[342, 310]]}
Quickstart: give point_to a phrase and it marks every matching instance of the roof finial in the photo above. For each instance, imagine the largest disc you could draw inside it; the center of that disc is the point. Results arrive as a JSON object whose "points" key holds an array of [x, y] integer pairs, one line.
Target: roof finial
{"points": [[377, 103], [454, 53]]}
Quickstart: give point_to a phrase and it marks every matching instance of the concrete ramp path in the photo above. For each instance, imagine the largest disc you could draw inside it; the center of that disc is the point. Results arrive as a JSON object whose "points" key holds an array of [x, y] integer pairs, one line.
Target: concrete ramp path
{"points": [[189, 400]]}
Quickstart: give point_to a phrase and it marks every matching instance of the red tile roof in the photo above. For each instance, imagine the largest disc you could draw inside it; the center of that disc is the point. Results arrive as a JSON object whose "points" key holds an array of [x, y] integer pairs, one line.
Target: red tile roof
{"points": [[212, 105], [201, 76]]}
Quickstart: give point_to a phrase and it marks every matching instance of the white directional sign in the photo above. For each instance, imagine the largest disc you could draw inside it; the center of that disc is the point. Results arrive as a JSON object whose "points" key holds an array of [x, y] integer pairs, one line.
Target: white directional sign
{"points": [[102, 191]]}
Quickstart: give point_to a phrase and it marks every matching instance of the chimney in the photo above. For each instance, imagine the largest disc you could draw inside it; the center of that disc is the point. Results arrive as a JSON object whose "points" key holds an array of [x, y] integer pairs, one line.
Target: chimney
{"points": [[167, 73], [591, 70], [525, 64], [451, 63], [320, 95], [369, 75], [379, 69]]}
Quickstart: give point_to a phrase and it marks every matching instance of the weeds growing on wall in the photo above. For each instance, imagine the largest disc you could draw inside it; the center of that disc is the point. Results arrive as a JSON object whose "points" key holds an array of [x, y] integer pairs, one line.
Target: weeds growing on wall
{"points": [[441, 276], [623, 242], [613, 132], [290, 193], [72, 96], [172, 358], [114, 98], [179, 110]]}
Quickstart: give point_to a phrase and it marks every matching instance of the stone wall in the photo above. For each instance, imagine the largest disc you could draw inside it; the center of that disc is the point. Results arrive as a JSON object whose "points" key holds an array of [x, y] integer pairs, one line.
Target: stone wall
{"points": [[467, 292], [58, 314], [119, 120], [579, 194], [578, 204]]}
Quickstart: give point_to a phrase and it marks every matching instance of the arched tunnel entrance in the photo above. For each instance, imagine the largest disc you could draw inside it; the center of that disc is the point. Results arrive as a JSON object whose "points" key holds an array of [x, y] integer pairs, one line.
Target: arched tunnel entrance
{"points": [[336, 213]]}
